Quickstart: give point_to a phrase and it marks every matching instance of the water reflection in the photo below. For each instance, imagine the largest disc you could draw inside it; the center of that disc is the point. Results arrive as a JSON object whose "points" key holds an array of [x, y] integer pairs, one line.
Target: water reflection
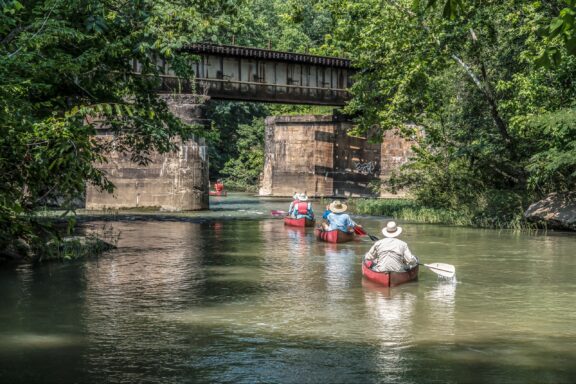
{"points": [[340, 263], [441, 302], [391, 317], [140, 285]]}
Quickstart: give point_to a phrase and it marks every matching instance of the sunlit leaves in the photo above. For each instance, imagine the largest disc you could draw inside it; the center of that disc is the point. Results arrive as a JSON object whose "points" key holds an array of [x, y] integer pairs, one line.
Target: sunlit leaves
{"points": [[560, 36], [450, 8]]}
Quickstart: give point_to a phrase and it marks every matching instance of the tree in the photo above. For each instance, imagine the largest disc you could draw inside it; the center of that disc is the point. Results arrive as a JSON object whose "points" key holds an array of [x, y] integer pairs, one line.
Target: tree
{"points": [[65, 69], [243, 171], [466, 77]]}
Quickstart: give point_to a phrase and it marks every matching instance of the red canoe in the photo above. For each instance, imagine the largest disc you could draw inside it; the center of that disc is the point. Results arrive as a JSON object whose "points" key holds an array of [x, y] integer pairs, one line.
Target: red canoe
{"points": [[302, 222], [334, 236], [217, 193], [390, 279]]}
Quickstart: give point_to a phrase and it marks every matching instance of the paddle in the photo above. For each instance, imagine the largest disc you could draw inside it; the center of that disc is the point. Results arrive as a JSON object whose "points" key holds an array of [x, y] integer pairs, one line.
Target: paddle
{"points": [[441, 269], [445, 270], [361, 232], [275, 212]]}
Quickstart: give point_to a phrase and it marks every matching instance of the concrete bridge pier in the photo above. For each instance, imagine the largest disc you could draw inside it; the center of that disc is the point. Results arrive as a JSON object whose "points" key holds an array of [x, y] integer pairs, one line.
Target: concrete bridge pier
{"points": [[315, 154], [176, 181]]}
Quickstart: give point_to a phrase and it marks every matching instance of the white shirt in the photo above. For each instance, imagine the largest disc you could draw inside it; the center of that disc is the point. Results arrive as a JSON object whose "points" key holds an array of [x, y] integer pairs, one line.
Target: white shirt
{"points": [[391, 255]]}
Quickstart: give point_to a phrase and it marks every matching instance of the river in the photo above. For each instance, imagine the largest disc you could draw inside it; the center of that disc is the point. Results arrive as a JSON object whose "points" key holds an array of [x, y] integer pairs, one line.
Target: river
{"points": [[233, 296]]}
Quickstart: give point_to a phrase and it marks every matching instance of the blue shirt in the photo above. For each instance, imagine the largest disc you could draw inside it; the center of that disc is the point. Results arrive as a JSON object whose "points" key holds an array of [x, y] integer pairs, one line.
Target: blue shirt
{"points": [[340, 221]]}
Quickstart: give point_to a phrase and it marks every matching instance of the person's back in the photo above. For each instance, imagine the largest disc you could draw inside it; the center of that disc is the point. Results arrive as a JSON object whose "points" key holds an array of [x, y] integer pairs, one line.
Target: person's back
{"points": [[299, 207], [292, 207], [390, 254], [337, 219], [302, 208]]}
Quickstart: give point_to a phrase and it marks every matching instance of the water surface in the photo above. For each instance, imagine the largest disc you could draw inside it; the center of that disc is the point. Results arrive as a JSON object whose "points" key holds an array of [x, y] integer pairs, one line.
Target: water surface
{"points": [[249, 300]]}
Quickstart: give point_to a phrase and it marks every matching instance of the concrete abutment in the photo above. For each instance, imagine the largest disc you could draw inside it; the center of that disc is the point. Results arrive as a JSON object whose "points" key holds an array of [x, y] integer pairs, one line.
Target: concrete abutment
{"points": [[175, 181], [315, 154]]}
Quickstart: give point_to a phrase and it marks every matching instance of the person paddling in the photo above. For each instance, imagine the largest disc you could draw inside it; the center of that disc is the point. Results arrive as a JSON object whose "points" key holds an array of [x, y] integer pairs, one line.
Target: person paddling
{"points": [[300, 207], [338, 219], [390, 254]]}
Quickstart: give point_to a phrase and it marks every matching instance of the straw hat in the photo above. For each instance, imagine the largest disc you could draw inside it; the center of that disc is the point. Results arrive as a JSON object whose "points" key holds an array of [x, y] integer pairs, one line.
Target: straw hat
{"points": [[338, 207], [302, 197], [391, 229]]}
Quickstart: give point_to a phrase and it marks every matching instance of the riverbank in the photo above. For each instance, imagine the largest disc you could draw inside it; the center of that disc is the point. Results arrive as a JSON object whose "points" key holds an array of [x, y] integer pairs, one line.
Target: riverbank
{"points": [[411, 210]]}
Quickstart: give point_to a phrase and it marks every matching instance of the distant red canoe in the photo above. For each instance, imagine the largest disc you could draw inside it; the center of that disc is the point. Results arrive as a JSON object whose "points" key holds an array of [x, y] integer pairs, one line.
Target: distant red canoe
{"points": [[217, 193], [390, 279], [303, 222], [334, 236]]}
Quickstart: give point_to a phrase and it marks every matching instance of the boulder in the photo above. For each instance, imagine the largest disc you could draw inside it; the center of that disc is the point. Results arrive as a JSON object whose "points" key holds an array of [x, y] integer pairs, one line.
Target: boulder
{"points": [[556, 211]]}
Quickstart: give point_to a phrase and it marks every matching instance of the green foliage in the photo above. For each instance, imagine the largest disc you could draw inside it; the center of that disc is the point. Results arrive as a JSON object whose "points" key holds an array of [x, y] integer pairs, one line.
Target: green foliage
{"points": [[559, 36], [65, 70], [553, 167], [227, 120], [243, 172], [497, 210], [464, 83], [450, 8]]}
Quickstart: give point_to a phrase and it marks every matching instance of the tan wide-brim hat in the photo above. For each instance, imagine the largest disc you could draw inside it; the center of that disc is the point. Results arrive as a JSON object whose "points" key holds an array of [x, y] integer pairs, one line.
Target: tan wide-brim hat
{"points": [[338, 207], [302, 197], [391, 229]]}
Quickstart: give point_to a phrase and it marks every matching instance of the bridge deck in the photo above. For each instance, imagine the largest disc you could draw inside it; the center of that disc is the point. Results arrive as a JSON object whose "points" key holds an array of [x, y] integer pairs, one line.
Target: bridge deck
{"points": [[254, 74]]}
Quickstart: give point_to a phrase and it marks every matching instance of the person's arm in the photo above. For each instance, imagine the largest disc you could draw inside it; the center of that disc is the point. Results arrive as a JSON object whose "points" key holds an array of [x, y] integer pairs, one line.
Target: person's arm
{"points": [[350, 223], [409, 257], [371, 254]]}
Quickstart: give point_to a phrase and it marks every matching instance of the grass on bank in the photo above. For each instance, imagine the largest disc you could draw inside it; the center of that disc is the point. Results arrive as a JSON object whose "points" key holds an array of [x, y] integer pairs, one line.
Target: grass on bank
{"points": [[493, 216]]}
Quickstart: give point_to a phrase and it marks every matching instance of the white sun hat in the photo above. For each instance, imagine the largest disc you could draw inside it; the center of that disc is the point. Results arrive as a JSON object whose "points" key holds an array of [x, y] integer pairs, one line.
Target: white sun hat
{"points": [[391, 229]]}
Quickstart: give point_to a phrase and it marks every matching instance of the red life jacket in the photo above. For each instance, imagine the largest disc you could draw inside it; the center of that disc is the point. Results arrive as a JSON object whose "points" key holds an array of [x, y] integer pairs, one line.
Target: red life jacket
{"points": [[302, 208], [219, 187]]}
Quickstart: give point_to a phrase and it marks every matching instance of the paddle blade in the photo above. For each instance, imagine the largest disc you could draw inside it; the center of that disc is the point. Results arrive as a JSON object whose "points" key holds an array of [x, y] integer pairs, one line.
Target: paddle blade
{"points": [[446, 270], [275, 212], [359, 231]]}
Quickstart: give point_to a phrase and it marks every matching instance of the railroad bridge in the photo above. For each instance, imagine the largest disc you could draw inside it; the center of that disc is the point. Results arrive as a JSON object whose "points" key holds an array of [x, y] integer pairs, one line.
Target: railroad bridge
{"points": [[252, 74], [179, 181]]}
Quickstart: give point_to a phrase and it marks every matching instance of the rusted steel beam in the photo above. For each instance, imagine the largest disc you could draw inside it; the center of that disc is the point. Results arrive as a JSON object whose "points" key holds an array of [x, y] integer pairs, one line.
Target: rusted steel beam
{"points": [[266, 54]]}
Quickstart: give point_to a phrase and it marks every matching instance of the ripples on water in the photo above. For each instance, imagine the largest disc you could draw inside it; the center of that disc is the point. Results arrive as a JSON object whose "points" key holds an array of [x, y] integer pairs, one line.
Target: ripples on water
{"points": [[252, 300]]}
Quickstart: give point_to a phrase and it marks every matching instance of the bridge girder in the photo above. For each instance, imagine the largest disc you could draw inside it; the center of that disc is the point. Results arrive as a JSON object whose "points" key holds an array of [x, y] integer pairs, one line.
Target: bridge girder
{"points": [[253, 74]]}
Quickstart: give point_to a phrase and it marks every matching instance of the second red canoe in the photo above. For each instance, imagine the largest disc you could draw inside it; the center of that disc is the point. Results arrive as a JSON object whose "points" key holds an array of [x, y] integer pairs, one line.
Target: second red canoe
{"points": [[334, 236], [302, 222]]}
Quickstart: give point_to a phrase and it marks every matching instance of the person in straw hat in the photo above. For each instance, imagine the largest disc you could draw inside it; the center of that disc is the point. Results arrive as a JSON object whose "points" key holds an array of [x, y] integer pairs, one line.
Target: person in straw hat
{"points": [[300, 207], [390, 254], [338, 219]]}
